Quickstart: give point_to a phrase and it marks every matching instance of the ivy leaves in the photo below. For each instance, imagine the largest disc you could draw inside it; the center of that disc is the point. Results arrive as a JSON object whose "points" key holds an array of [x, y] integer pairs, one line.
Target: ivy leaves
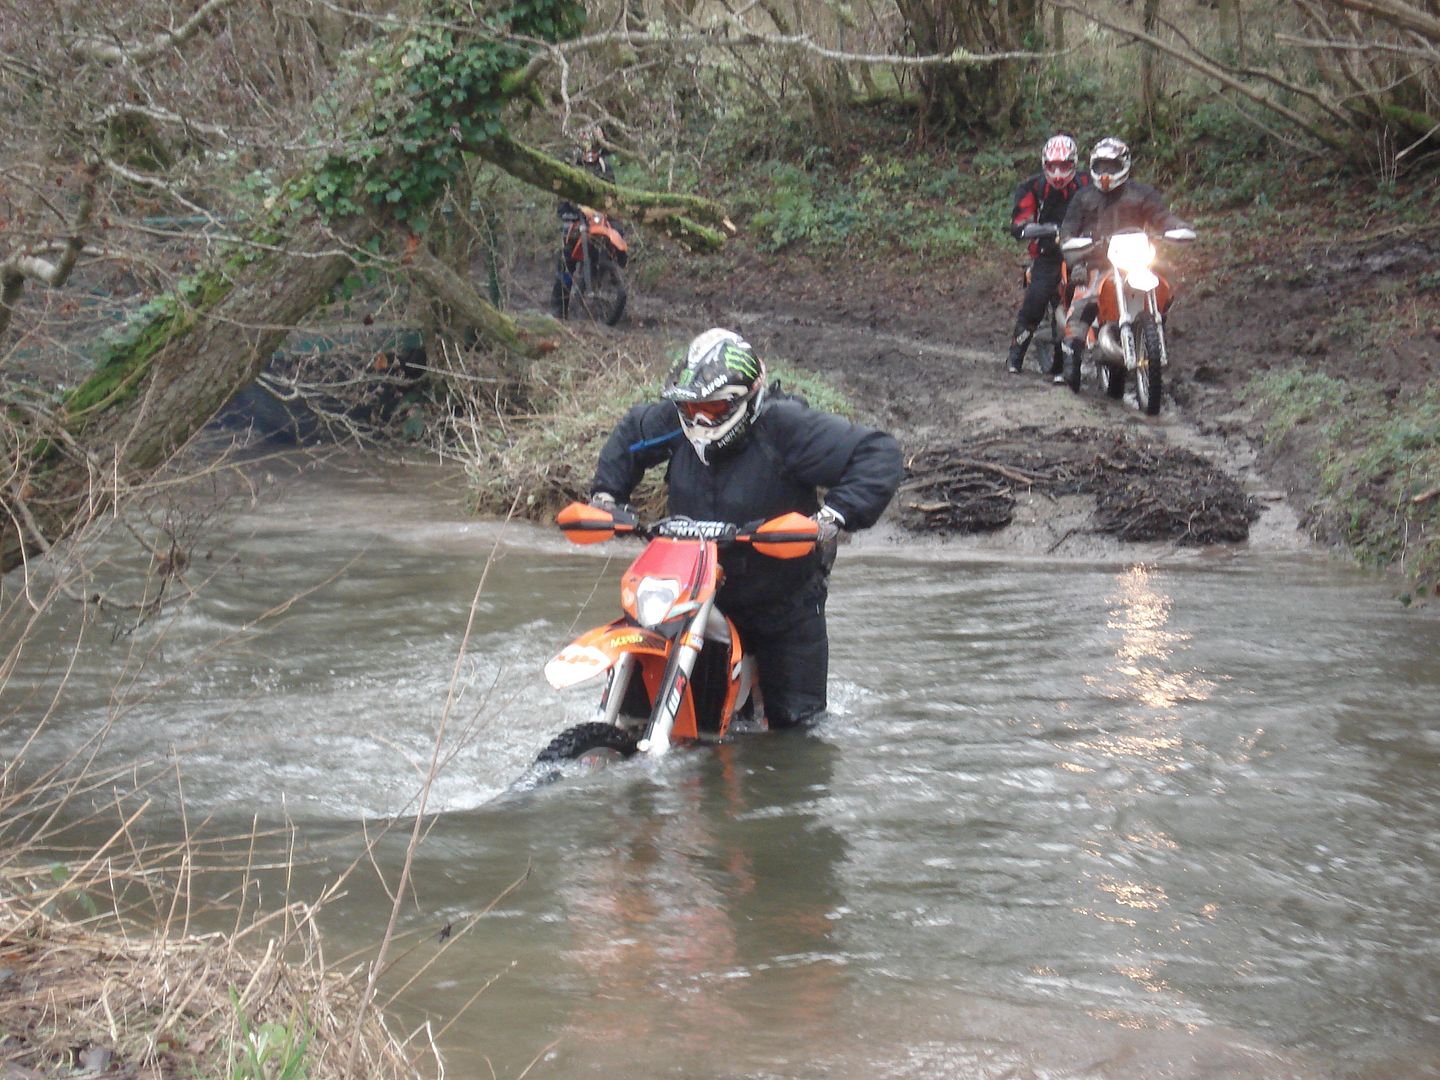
{"points": [[438, 93]]}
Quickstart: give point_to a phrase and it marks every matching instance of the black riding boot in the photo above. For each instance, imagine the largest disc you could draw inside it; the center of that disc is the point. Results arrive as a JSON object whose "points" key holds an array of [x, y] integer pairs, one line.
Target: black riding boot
{"points": [[1018, 345]]}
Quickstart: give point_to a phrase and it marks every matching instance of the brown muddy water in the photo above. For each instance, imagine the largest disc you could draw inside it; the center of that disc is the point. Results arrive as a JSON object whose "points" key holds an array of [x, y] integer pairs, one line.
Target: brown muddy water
{"points": [[1107, 819]]}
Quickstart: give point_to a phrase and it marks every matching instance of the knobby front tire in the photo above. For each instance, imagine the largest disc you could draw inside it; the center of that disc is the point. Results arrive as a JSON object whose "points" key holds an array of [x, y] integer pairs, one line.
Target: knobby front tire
{"points": [[1149, 375], [594, 739], [603, 297]]}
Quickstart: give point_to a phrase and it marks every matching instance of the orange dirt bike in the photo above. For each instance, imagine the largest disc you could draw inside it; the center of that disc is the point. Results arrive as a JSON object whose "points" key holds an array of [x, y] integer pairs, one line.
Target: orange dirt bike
{"points": [[674, 667], [590, 278], [1058, 305], [1127, 331]]}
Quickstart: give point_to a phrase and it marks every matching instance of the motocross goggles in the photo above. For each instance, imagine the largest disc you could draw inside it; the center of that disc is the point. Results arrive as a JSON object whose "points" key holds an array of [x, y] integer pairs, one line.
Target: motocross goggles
{"points": [[707, 413], [1060, 172]]}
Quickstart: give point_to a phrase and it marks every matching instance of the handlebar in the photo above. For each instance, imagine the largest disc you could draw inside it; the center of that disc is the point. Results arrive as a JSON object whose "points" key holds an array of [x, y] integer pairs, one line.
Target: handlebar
{"points": [[1035, 230], [1079, 245], [789, 536]]}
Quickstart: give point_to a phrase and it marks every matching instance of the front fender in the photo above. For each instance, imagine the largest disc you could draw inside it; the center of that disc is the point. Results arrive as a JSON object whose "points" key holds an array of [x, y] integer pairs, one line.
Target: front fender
{"points": [[596, 651]]}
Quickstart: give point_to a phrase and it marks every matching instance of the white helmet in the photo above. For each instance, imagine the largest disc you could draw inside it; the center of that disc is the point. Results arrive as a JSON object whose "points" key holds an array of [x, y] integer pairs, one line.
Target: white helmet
{"points": [[717, 389], [1109, 164], [1059, 159]]}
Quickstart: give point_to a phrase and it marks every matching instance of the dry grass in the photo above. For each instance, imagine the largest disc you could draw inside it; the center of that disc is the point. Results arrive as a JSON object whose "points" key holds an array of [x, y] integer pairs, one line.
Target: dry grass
{"points": [[533, 446], [148, 1005]]}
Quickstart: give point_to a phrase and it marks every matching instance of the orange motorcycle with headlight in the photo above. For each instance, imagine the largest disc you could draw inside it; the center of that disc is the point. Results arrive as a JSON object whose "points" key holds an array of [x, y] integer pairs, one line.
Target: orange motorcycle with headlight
{"points": [[672, 668], [1127, 331]]}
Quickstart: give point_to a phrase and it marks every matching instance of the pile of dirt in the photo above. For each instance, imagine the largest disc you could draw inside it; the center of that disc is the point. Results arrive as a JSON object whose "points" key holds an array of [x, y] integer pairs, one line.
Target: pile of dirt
{"points": [[1143, 490]]}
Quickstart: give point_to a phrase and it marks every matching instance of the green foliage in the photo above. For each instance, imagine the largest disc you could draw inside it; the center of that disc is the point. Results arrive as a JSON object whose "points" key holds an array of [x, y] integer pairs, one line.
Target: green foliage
{"points": [[929, 205], [818, 392], [801, 207], [1294, 396], [270, 1051], [67, 898], [438, 92], [1381, 468]]}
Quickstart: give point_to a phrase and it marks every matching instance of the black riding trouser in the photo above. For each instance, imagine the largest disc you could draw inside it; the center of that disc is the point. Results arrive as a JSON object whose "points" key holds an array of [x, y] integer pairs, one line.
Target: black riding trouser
{"points": [[1044, 283], [792, 650]]}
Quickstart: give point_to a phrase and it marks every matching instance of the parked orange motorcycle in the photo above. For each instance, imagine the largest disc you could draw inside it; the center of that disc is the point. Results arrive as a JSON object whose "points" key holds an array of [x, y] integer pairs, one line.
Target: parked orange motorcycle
{"points": [[590, 277], [674, 667]]}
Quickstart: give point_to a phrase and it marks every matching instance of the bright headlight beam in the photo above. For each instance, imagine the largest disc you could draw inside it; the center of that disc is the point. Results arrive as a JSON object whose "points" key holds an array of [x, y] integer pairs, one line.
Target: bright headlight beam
{"points": [[653, 600]]}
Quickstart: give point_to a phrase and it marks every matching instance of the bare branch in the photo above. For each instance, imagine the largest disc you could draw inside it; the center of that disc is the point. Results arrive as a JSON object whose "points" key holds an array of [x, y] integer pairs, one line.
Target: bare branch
{"points": [[1432, 55], [1212, 70], [17, 269], [1405, 16], [97, 50]]}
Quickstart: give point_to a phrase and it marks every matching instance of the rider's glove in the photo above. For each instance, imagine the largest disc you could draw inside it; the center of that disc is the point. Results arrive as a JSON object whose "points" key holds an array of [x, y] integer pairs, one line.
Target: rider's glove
{"points": [[829, 522], [605, 501], [622, 512]]}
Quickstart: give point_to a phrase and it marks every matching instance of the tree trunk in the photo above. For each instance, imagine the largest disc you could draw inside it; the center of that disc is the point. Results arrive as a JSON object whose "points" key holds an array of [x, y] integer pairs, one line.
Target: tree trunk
{"points": [[150, 397], [1147, 63], [976, 96]]}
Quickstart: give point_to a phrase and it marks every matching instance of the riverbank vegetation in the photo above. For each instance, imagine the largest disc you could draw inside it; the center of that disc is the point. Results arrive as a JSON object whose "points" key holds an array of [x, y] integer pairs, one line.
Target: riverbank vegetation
{"points": [[213, 183], [124, 954]]}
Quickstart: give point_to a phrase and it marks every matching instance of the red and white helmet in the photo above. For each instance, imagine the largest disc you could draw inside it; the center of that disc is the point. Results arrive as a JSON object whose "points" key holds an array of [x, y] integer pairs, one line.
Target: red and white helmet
{"points": [[1059, 159], [1109, 164]]}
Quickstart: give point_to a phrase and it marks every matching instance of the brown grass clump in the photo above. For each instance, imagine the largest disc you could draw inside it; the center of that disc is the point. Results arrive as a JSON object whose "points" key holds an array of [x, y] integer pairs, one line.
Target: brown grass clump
{"points": [[531, 443], [132, 1001]]}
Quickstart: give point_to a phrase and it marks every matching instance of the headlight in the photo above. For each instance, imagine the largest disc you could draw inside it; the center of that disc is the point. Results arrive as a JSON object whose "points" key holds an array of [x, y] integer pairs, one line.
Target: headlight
{"points": [[1131, 251], [654, 599]]}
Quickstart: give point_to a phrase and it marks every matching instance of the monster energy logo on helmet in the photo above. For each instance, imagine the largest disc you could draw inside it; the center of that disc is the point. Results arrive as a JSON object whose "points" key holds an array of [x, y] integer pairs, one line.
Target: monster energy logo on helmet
{"points": [[741, 361]]}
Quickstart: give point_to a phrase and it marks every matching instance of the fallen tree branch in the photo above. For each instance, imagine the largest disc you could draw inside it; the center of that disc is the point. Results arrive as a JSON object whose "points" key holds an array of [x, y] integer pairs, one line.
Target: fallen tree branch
{"points": [[98, 50], [696, 223]]}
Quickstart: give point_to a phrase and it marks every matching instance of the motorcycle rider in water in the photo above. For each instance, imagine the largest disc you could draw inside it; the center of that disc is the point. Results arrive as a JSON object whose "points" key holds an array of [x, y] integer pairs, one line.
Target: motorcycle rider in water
{"points": [[735, 454], [1112, 203], [1042, 198]]}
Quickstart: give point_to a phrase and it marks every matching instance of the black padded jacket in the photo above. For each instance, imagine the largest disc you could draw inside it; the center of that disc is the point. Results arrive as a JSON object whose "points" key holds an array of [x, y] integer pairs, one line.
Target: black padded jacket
{"points": [[1100, 214], [789, 453]]}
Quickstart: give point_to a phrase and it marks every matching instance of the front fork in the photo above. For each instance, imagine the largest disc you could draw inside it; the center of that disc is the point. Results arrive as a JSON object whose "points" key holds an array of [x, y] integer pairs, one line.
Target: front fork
{"points": [[675, 682], [616, 683], [1130, 311]]}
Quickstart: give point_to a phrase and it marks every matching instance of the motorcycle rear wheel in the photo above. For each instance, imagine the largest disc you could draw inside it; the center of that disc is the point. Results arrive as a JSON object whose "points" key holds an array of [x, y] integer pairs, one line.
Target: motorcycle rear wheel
{"points": [[603, 297], [1112, 379], [1071, 371], [594, 744], [1056, 322], [1149, 380]]}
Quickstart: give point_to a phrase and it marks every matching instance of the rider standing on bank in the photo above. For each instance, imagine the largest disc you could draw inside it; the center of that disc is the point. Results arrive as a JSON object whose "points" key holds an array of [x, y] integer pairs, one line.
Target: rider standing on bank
{"points": [[733, 455], [1042, 199]]}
